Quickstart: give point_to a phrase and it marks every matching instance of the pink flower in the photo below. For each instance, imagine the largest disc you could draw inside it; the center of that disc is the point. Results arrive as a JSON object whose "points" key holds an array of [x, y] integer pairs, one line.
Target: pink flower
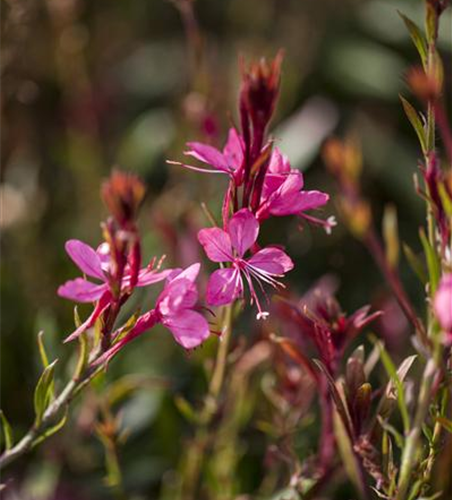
{"points": [[443, 304], [175, 309], [96, 264], [282, 192], [229, 161], [226, 285]]}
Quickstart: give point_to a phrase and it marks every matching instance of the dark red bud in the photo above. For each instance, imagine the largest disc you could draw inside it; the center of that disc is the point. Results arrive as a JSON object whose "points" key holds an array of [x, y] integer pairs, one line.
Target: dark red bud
{"points": [[122, 194]]}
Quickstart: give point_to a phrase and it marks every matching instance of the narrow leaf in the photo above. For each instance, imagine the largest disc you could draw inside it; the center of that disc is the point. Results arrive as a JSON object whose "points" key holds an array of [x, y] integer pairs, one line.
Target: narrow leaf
{"points": [[417, 37], [7, 431], [433, 264], [397, 381], [42, 350], [391, 235], [82, 356], [415, 263], [51, 430], [337, 398], [416, 123], [43, 392]]}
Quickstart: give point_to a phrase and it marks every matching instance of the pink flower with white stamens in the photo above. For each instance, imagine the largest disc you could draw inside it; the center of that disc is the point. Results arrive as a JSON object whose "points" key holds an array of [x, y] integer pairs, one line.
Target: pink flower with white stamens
{"points": [[96, 264], [229, 161], [226, 285], [283, 193], [175, 309]]}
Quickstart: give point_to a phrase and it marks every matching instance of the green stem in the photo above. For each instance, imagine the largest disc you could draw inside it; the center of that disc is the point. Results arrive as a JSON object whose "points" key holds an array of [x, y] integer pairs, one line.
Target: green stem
{"points": [[71, 389], [411, 449], [195, 455]]}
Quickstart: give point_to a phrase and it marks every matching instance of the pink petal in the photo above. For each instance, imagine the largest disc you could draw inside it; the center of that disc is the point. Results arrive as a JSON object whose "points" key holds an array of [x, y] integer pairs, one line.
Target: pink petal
{"points": [[190, 273], [148, 276], [188, 327], [144, 322], [101, 306], [81, 290], [309, 200], [180, 292], [233, 150], [208, 154], [85, 258], [225, 285], [216, 244], [443, 303], [243, 229], [272, 183], [272, 260], [279, 163]]}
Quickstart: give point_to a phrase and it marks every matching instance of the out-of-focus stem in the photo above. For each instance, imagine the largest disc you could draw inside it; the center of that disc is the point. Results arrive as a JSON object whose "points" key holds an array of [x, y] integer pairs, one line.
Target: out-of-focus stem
{"points": [[71, 389], [411, 449], [195, 454], [376, 249], [223, 348]]}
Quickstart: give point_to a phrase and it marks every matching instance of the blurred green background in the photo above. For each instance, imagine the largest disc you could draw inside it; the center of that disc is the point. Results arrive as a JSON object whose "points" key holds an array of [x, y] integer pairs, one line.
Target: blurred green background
{"points": [[88, 85]]}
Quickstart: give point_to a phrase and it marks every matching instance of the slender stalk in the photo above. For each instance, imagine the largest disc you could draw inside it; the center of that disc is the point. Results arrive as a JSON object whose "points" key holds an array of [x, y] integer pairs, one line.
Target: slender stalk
{"points": [[393, 279], [195, 455], [411, 449], [223, 348]]}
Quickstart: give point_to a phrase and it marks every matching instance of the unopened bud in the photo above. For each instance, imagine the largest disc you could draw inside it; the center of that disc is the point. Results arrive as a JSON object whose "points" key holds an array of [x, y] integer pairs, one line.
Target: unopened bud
{"points": [[122, 194], [260, 88], [358, 216], [427, 87], [343, 158]]}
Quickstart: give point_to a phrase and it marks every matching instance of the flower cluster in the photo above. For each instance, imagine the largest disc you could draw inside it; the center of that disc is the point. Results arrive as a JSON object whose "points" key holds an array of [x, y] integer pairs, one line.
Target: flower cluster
{"points": [[116, 266], [262, 184]]}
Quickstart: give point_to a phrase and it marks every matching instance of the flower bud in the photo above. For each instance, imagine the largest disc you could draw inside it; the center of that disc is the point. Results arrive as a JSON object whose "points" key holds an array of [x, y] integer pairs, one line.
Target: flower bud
{"points": [[122, 194], [259, 92], [426, 86], [343, 158]]}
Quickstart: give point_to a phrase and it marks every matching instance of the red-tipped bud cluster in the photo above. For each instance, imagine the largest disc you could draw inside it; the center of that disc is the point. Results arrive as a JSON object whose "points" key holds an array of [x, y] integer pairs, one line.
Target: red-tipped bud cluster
{"points": [[426, 86], [260, 88], [122, 194]]}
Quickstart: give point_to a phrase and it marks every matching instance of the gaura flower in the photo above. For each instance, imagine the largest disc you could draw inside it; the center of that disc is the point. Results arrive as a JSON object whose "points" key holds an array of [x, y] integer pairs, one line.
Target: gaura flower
{"points": [[96, 264], [175, 309], [226, 285], [229, 161], [442, 304], [283, 194]]}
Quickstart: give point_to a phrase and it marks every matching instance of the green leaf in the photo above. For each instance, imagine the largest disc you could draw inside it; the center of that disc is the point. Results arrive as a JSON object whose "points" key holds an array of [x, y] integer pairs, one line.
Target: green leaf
{"points": [[345, 446], [42, 350], [445, 199], [52, 430], [390, 429], [77, 320], [186, 409], [391, 235], [416, 123], [43, 392], [337, 398], [82, 356], [7, 431], [396, 377], [415, 263], [446, 423], [433, 264], [417, 37]]}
